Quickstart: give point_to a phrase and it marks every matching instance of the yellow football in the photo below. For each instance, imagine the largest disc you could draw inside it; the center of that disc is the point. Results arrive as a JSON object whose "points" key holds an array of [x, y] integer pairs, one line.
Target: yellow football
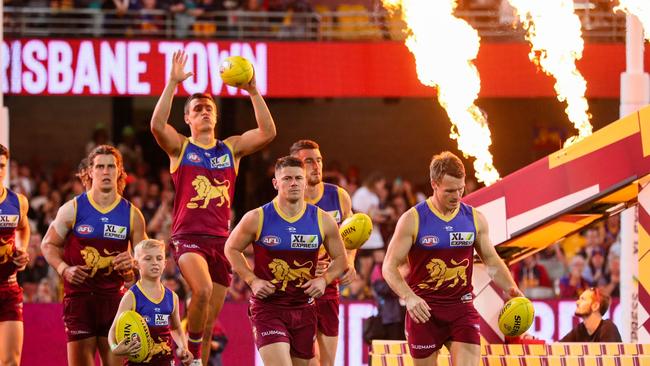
{"points": [[236, 71], [355, 230], [516, 316], [129, 324]]}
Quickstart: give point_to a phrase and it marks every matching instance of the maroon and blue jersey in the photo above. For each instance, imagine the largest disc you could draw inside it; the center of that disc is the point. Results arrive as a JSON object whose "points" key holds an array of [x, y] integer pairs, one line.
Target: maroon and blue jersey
{"points": [[97, 236], [286, 252], [205, 185], [9, 220], [157, 313], [441, 257], [330, 202]]}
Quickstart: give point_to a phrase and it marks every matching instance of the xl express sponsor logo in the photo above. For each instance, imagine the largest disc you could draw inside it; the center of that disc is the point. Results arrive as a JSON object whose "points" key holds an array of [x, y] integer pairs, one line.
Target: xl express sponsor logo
{"points": [[461, 239], [114, 231], [161, 319], [336, 214], [221, 162], [8, 220], [302, 241]]}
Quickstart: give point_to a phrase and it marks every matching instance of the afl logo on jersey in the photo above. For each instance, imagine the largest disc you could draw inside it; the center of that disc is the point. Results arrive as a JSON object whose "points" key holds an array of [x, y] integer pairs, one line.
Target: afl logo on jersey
{"points": [[85, 229], [193, 157], [271, 240], [429, 240]]}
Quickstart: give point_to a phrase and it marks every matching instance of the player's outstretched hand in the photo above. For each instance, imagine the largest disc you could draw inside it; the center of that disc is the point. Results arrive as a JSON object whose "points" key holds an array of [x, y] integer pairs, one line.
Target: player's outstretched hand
{"points": [[417, 308], [76, 275], [349, 276], [262, 288], [515, 292], [131, 349], [20, 259], [315, 287], [185, 356], [177, 72]]}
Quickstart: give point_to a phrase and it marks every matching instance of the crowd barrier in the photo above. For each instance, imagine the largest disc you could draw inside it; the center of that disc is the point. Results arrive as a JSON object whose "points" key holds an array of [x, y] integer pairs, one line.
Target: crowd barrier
{"points": [[395, 353]]}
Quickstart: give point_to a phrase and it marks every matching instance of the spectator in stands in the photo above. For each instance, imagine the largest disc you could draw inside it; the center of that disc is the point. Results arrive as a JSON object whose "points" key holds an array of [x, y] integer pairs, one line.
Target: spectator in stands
{"points": [[21, 180], [129, 147], [35, 271], [161, 222], [41, 198], [593, 240], [357, 290], [612, 231], [44, 293], [388, 305], [403, 188], [207, 22], [532, 278], [352, 179], [148, 20], [573, 284], [367, 200], [298, 22], [100, 133], [554, 261], [217, 345], [591, 306], [613, 276], [596, 268]]}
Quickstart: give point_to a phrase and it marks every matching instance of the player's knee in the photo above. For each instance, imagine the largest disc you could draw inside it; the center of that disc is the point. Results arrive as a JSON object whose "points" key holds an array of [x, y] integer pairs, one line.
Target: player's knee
{"points": [[202, 295]]}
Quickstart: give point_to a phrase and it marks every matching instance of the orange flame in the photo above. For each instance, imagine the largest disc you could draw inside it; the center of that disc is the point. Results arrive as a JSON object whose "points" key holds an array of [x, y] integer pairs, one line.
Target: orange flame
{"points": [[638, 8], [444, 48], [553, 30]]}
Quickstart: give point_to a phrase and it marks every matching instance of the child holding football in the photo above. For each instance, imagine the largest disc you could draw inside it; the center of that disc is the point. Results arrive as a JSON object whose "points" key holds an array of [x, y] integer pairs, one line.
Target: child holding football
{"points": [[158, 306]]}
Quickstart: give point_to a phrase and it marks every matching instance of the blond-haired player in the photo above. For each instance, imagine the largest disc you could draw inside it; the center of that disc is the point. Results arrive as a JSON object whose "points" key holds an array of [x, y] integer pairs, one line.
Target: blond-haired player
{"points": [[157, 304], [440, 236]]}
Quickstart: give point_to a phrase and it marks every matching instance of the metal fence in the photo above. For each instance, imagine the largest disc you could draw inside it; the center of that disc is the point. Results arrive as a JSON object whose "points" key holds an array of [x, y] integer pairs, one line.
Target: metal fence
{"points": [[321, 25]]}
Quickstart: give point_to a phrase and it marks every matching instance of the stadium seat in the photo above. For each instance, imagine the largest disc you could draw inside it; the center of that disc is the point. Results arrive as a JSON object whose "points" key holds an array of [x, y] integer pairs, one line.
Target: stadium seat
{"points": [[326, 20]]}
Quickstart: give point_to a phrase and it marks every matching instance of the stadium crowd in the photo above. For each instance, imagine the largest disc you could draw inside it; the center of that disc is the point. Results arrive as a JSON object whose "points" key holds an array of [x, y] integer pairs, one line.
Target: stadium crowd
{"points": [[258, 19], [588, 259]]}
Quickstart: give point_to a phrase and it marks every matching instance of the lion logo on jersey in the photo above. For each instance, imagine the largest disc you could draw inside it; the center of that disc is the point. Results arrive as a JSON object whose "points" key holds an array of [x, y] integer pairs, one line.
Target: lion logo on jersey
{"points": [[439, 273], [284, 273], [207, 192], [96, 261], [158, 347], [6, 250]]}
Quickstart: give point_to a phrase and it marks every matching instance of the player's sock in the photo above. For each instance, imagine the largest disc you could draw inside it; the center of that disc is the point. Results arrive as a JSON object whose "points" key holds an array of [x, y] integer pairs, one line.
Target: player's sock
{"points": [[194, 344]]}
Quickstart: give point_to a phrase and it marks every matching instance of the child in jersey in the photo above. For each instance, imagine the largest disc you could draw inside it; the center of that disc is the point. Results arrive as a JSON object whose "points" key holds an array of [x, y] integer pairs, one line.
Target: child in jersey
{"points": [[158, 305]]}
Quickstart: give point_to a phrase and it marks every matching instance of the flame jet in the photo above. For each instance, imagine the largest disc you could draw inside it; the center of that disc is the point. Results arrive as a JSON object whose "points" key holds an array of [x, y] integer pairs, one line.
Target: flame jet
{"points": [[553, 30], [444, 48], [638, 8]]}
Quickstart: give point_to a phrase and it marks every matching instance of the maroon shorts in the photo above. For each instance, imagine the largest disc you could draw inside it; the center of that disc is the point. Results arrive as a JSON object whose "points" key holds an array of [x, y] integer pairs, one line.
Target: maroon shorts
{"points": [[328, 316], [452, 322], [11, 303], [209, 247], [296, 326], [89, 314]]}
